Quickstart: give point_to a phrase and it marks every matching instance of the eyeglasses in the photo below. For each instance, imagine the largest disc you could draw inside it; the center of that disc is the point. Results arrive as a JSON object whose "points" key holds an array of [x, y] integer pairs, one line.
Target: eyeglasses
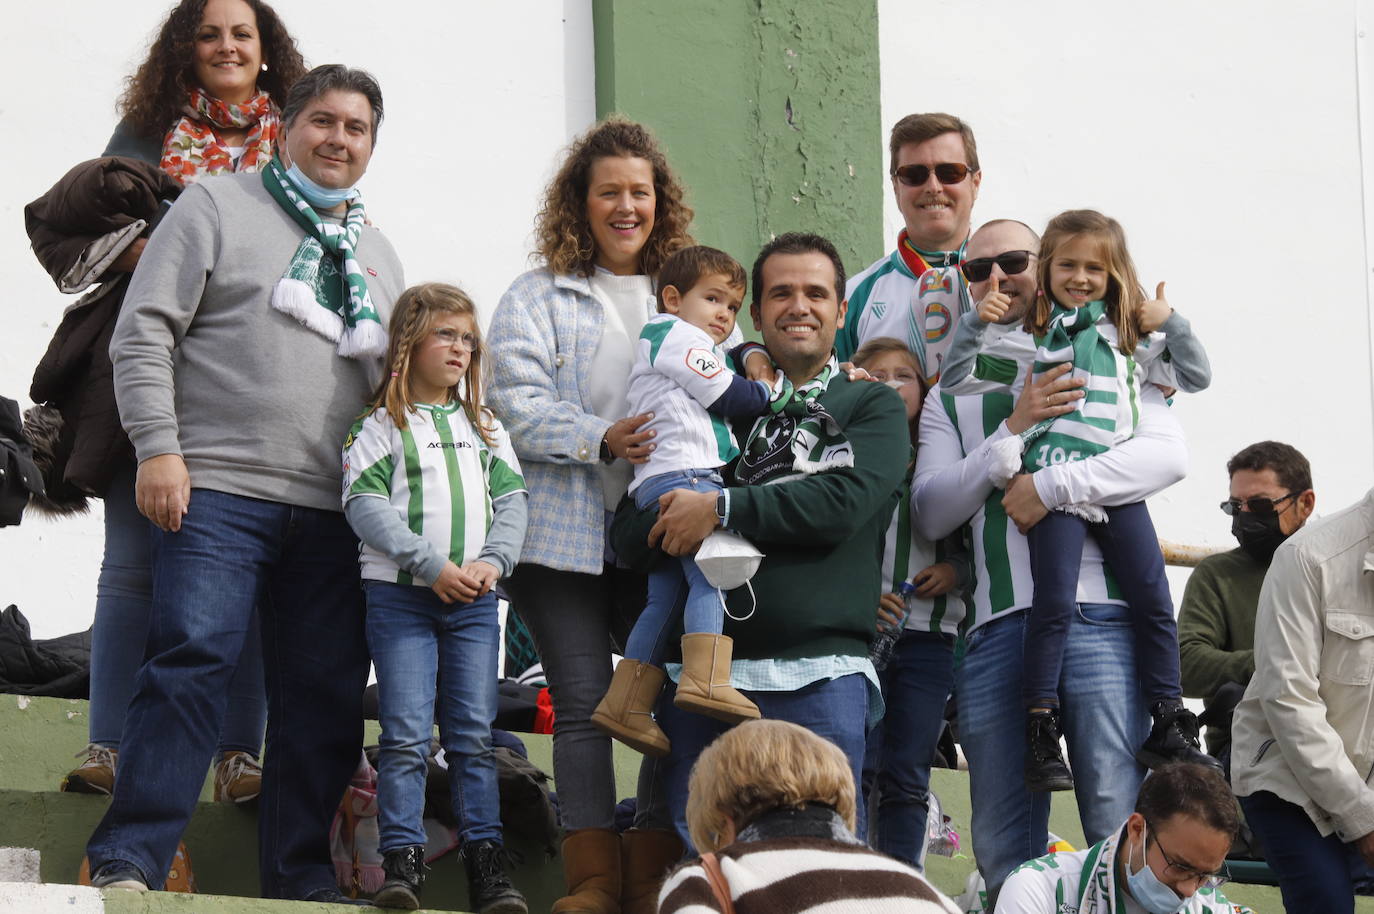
{"points": [[1260, 506], [1011, 262], [448, 336], [1207, 880], [945, 173]]}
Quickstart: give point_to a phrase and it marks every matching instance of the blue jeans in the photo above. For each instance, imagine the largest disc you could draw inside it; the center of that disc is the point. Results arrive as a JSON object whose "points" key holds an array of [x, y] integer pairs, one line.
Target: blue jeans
{"points": [[1315, 872], [704, 609], [415, 638], [1131, 550], [299, 567], [123, 612], [1102, 716], [916, 686], [833, 708]]}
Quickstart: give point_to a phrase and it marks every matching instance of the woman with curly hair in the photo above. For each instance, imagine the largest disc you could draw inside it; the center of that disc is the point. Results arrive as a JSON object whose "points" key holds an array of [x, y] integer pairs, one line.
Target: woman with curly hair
{"points": [[203, 103], [566, 335]]}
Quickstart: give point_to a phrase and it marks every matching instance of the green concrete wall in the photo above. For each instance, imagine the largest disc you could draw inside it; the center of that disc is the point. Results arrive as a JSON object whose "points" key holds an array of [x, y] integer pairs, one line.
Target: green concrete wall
{"points": [[768, 109]]}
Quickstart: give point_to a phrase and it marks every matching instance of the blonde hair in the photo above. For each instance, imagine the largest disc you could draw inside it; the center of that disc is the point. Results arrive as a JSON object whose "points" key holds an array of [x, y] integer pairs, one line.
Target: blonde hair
{"points": [[762, 765], [411, 322], [1124, 294], [563, 234]]}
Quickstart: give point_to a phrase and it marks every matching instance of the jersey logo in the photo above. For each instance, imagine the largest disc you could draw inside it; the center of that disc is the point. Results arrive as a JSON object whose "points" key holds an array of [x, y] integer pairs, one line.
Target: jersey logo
{"points": [[448, 444], [936, 281], [938, 322], [878, 308], [704, 362]]}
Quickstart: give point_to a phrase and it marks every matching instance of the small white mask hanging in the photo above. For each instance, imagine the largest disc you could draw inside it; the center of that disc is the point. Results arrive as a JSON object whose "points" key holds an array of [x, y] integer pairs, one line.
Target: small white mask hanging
{"points": [[728, 560]]}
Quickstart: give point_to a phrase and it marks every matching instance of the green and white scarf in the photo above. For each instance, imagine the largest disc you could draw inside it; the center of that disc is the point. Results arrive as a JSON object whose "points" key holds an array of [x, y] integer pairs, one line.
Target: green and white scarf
{"points": [[1090, 428], [797, 437], [324, 286]]}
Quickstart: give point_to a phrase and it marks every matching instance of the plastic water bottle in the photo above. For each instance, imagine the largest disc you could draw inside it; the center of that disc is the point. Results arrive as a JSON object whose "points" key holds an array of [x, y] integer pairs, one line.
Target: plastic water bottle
{"points": [[886, 641]]}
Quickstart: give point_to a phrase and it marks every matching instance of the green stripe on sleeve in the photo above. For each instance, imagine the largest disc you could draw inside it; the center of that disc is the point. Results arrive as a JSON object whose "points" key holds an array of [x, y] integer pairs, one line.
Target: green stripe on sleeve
{"points": [[501, 479], [995, 368], [375, 480], [655, 332]]}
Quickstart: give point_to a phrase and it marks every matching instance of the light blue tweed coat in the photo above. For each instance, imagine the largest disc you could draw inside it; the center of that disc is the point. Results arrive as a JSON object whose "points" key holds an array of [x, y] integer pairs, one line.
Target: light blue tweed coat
{"points": [[542, 338]]}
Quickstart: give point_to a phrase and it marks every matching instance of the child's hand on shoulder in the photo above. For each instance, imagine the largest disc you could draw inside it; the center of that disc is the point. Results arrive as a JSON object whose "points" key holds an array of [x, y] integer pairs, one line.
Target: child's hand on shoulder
{"points": [[456, 585], [994, 305], [1154, 312], [758, 367]]}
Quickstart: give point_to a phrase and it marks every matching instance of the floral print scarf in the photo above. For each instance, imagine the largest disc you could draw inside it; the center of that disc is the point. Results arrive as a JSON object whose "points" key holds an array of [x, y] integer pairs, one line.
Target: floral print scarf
{"points": [[192, 149]]}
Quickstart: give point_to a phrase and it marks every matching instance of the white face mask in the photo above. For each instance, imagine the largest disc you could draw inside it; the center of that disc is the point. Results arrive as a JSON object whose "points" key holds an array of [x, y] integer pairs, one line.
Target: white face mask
{"points": [[728, 560]]}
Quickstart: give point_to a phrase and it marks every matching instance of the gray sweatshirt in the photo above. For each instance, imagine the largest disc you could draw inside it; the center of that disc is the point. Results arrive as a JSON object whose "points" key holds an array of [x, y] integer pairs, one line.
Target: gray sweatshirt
{"points": [[204, 367]]}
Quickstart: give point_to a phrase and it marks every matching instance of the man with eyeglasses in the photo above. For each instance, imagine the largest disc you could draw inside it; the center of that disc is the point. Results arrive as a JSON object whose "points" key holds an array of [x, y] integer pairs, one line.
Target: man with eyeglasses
{"points": [[916, 294], [1271, 498], [1104, 717], [1169, 856], [1304, 732]]}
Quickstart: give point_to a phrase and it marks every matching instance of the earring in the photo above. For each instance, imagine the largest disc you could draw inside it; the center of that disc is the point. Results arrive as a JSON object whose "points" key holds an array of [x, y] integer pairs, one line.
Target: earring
{"points": [[264, 66]]}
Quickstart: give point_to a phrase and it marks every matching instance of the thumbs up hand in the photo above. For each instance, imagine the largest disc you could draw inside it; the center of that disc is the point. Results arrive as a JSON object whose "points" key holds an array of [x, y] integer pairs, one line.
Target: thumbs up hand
{"points": [[994, 305], [1155, 312]]}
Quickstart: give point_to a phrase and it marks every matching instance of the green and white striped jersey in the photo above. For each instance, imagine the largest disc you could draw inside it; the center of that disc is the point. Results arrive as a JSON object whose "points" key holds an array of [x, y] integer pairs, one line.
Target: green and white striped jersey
{"points": [[906, 552], [438, 474], [951, 463]]}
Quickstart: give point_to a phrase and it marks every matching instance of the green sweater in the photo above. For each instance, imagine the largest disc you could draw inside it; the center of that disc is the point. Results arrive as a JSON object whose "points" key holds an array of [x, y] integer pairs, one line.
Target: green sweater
{"points": [[1216, 624], [818, 585]]}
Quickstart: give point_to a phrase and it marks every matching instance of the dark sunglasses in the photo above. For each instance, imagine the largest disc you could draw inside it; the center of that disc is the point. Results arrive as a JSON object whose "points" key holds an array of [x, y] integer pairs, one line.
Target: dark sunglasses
{"points": [[1260, 506], [1011, 262], [945, 173]]}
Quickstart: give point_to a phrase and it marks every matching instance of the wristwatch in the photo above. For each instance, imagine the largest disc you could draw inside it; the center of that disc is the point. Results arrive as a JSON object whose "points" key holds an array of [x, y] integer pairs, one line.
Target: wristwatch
{"points": [[720, 508], [606, 455]]}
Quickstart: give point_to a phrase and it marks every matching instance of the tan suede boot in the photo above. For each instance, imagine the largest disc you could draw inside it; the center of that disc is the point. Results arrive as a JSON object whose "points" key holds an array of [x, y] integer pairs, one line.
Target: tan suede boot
{"points": [[591, 868], [646, 856], [704, 687], [627, 711]]}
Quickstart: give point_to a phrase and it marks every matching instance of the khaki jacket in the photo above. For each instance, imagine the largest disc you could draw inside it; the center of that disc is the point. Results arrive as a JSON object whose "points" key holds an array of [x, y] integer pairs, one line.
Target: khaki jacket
{"points": [[1305, 729]]}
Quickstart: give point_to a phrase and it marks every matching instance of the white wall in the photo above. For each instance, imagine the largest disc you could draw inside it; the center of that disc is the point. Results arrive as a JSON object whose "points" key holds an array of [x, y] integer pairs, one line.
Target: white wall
{"points": [[480, 98], [1225, 137]]}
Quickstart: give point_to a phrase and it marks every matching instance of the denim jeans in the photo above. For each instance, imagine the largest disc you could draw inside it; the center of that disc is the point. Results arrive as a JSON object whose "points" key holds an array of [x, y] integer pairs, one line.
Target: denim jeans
{"points": [[1131, 550], [570, 614], [704, 609], [897, 757], [1315, 872], [123, 610], [299, 567], [833, 708], [416, 638], [1103, 717]]}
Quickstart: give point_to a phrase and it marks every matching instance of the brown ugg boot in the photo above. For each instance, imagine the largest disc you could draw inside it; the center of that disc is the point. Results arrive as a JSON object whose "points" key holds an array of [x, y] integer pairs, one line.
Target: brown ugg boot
{"points": [[646, 856], [627, 710], [704, 687], [591, 868]]}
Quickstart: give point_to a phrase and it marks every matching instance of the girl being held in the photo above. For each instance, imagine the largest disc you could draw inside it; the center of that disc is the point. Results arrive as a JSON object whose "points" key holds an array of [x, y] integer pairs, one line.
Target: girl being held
{"points": [[434, 491], [1091, 311]]}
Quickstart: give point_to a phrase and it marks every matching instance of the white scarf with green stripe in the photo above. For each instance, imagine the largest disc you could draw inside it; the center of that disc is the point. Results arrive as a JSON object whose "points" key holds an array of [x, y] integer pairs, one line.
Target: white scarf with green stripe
{"points": [[324, 286], [797, 437], [1091, 428]]}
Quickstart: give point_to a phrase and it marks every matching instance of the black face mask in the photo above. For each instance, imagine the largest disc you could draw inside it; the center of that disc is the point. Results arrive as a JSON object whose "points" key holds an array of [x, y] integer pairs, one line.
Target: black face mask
{"points": [[1258, 534]]}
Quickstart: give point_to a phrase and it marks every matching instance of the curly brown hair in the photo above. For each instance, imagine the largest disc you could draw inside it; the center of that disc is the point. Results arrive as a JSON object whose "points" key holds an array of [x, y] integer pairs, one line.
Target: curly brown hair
{"points": [[153, 98], [562, 232]]}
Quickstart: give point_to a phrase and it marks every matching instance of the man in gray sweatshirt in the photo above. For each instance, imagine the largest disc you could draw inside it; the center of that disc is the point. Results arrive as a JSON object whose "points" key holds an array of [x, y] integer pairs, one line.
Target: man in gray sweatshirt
{"points": [[249, 341]]}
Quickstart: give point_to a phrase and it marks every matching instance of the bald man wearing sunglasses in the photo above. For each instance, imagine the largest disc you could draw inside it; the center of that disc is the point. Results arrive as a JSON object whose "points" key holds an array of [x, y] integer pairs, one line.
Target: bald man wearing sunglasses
{"points": [[916, 294], [1104, 717]]}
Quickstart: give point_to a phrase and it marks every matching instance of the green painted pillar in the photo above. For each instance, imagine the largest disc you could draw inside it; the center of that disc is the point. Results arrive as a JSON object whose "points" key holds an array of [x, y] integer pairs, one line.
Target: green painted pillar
{"points": [[768, 110]]}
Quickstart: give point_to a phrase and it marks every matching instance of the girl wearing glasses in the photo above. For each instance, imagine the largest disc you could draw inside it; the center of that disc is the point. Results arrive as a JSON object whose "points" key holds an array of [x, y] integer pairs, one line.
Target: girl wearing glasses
{"points": [[1091, 311], [434, 491]]}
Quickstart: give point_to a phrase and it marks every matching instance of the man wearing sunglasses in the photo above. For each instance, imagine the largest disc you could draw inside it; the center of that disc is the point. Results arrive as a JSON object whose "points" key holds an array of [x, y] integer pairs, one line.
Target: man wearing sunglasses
{"points": [[1271, 498], [1169, 856], [916, 293], [1304, 732], [1105, 719]]}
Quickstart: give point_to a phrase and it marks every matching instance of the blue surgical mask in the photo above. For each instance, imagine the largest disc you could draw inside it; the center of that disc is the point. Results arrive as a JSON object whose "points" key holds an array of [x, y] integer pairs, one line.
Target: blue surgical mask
{"points": [[317, 195], [1145, 887]]}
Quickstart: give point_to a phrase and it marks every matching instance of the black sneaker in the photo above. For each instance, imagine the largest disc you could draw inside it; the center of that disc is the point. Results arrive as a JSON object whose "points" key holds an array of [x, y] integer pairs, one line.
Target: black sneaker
{"points": [[489, 888], [405, 876], [1046, 769], [119, 874], [331, 895], [1173, 738]]}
